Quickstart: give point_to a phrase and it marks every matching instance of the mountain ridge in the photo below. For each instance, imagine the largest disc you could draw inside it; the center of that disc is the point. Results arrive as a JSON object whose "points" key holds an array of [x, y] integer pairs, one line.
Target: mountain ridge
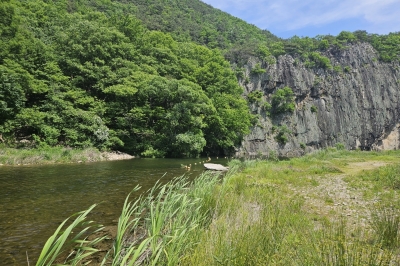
{"points": [[101, 73]]}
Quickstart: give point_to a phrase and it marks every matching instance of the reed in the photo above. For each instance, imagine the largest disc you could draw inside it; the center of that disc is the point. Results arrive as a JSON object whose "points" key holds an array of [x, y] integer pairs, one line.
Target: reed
{"points": [[61, 239], [255, 215], [159, 228]]}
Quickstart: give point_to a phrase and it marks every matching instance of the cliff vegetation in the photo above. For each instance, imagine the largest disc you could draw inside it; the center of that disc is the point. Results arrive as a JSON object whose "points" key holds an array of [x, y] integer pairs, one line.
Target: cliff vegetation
{"points": [[150, 78]]}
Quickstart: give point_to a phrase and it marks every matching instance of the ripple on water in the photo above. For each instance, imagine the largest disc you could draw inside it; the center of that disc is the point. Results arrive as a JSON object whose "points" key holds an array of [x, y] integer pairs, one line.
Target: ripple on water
{"points": [[36, 199]]}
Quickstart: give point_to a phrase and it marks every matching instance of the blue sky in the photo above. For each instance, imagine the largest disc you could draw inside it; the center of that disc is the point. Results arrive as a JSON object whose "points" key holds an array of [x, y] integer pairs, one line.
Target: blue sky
{"points": [[286, 18]]}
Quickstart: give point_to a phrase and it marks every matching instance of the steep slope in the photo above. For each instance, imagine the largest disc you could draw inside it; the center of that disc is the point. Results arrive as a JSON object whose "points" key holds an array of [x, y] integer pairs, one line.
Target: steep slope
{"points": [[355, 105], [199, 22], [104, 73]]}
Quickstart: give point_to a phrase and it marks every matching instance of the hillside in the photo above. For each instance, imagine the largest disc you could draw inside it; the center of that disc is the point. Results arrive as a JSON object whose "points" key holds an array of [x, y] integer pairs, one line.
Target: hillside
{"points": [[81, 75], [196, 21], [160, 79]]}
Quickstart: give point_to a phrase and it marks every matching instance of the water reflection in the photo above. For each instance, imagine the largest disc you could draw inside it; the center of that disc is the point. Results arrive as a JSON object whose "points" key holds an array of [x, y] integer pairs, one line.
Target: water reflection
{"points": [[35, 199]]}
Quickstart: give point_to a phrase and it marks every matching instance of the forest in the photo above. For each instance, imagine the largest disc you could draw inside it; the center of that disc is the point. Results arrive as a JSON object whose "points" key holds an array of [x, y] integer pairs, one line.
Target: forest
{"points": [[150, 78]]}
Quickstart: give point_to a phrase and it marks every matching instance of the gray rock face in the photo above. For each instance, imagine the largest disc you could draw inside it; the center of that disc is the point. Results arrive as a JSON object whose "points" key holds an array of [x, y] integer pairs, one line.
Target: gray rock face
{"points": [[357, 107]]}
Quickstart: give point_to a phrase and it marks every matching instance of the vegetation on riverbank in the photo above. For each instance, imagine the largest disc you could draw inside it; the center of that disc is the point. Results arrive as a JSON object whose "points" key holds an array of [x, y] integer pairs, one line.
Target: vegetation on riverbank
{"points": [[144, 77], [51, 155], [76, 76], [333, 207]]}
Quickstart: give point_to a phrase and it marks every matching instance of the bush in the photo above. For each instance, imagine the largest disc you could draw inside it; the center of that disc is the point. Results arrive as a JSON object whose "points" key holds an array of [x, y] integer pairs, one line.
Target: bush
{"points": [[255, 96], [320, 60], [267, 108], [346, 37], [239, 72], [282, 136], [338, 69], [314, 109], [340, 146], [153, 153], [257, 69], [283, 101]]}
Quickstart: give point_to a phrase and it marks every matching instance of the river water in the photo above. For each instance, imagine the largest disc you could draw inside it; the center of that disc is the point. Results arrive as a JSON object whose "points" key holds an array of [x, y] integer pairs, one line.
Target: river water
{"points": [[34, 200]]}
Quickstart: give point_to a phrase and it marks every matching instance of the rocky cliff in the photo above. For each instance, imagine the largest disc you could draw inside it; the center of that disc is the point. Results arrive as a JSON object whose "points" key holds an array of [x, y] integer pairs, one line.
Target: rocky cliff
{"points": [[355, 105]]}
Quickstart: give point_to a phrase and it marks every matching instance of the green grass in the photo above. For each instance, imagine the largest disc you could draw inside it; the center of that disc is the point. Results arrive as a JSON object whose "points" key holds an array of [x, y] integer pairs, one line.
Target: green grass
{"points": [[262, 222], [386, 224], [259, 213], [47, 155], [384, 177]]}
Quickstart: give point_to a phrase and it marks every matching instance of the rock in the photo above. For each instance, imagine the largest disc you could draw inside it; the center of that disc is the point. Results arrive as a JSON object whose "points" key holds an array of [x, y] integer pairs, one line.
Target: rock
{"points": [[359, 109], [117, 155], [215, 167]]}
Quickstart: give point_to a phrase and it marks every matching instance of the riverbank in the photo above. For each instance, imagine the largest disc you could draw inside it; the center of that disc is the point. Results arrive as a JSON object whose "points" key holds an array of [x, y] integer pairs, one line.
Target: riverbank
{"points": [[52, 155], [328, 208]]}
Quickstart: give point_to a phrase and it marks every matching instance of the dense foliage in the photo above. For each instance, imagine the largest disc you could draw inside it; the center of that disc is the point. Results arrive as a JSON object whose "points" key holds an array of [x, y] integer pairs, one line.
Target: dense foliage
{"points": [[282, 101], [199, 22], [309, 48], [74, 76], [147, 77]]}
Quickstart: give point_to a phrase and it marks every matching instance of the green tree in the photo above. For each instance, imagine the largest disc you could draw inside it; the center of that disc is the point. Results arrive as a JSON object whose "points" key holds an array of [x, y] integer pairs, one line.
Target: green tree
{"points": [[282, 101]]}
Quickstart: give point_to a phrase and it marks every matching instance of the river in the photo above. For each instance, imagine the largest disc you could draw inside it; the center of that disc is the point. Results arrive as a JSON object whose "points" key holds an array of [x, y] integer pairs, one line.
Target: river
{"points": [[34, 200]]}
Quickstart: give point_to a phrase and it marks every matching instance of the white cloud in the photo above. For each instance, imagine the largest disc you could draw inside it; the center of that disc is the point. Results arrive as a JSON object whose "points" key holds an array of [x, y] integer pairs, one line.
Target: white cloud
{"points": [[380, 16]]}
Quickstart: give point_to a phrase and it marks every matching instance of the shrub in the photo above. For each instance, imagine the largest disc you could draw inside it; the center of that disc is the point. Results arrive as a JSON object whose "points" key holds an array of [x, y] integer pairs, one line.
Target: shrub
{"points": [[255, 96], [346, 37], [239, 72], [282, 136], [340, 146], [323, 45], [283, 101], [315, 59], [263, 52], [257, 69], [314, 109], [338, 69], [153, 153], [267, 108]]}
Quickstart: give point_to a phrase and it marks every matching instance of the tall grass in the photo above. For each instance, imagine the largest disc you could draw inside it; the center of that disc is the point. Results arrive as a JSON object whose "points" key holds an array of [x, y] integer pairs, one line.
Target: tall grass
{"points": [[169, 218], [126, 248], [387, 176], [156, 229], [268, 229], [61, 240], [386, 223], [252, 216]]}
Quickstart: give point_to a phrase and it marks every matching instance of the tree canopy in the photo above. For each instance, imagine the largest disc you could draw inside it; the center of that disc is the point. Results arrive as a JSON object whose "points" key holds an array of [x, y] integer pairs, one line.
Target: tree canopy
{"points": [[152, 77], [73, 75]]}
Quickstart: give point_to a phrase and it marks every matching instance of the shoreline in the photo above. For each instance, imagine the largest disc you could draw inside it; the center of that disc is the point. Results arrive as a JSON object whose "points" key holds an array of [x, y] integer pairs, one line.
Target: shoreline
{"points": [[327, 199], [57, 155], [116, 156]]}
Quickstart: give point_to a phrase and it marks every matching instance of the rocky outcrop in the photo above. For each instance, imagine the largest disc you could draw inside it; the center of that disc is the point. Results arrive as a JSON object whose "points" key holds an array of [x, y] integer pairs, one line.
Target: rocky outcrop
{"points": [[355, 104]]}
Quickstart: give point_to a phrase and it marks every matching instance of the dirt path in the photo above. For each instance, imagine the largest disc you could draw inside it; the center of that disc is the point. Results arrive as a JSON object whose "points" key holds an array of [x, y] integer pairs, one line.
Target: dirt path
{"points": [[332, 197]]}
